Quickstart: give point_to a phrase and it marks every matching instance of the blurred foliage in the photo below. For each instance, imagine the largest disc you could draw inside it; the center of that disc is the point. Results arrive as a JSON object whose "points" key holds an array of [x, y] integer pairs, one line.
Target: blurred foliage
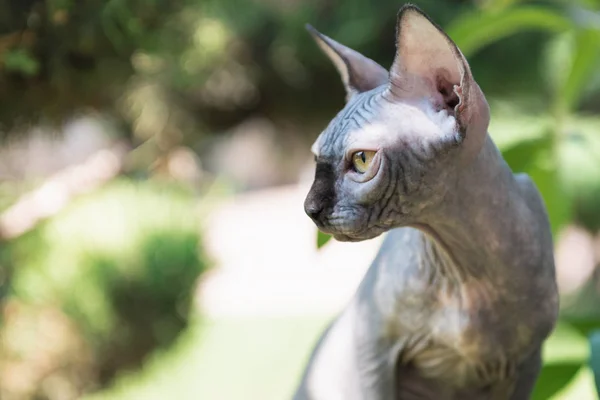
{"points": [[214, 62], [565, 355], [595, 357], [58, 57], [553, 378], [116, 271], [176, 71]]}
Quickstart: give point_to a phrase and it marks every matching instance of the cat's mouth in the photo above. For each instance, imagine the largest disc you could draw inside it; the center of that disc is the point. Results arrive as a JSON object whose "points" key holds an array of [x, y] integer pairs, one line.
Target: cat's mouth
{"points": [[340, 237], [349, 235]]}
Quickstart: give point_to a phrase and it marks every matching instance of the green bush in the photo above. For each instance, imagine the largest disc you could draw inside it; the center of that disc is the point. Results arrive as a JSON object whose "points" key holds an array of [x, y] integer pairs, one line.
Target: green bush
{"points": [[120, 264]]}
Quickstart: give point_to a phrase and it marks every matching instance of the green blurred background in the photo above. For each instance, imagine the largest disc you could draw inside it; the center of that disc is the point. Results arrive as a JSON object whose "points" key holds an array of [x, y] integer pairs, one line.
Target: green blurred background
{"points": [[154, 159]]}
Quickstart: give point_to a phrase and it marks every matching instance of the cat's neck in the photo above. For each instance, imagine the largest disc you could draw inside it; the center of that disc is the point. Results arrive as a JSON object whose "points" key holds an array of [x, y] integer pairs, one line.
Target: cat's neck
{"points": [[480, 221]]}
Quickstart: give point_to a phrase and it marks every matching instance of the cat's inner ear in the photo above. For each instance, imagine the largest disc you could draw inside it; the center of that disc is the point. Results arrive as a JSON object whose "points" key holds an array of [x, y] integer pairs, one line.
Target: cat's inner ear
{"points": [[429, 65], [359, 73], [427, 62]]}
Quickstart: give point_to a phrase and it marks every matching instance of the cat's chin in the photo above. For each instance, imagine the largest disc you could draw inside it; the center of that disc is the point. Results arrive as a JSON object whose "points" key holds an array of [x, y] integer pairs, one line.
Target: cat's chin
{"points": [[340, 237], [345, 238]]}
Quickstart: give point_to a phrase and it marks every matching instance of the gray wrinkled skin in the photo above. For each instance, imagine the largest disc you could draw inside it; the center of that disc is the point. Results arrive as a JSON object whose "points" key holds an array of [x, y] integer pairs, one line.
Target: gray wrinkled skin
{"points": [[462, 293]]}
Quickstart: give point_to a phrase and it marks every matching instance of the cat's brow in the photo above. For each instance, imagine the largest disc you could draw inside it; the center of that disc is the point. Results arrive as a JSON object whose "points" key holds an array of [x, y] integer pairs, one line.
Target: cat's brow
{"points": [[354, 116], [315, 147]]}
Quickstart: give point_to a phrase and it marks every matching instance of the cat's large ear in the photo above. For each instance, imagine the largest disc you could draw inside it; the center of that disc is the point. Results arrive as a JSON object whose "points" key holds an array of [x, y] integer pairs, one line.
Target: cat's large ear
{"points": [[359, 73], [429, 64]]}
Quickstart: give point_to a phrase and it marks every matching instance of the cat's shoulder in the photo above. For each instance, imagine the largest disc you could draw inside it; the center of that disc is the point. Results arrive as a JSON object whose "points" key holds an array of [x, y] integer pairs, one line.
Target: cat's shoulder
{"points": [[535, 205], [529, 191], [525, 182]]}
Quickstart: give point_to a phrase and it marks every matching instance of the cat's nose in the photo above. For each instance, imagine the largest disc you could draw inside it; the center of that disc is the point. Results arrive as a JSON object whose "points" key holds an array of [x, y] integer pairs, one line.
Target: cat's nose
{"points": [[313, 209], [321, 194]]}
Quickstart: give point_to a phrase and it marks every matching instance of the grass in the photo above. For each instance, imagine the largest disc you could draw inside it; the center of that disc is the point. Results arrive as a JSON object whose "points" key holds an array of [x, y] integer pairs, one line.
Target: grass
{"points": [[226, 359]]}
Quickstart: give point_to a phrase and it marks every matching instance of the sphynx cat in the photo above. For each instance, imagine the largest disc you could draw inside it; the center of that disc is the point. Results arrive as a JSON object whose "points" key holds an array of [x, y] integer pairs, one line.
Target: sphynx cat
{"points": [[462, 294]]}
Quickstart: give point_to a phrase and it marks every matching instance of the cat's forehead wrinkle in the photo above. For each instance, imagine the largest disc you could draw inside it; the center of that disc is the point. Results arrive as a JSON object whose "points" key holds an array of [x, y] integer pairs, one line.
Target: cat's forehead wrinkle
{"points": [[358, 114], [369, 122]]}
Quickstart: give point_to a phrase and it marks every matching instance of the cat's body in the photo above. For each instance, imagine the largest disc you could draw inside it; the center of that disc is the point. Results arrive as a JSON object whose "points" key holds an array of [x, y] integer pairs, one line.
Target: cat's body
{"points": [[462, 293], [429, 333]]}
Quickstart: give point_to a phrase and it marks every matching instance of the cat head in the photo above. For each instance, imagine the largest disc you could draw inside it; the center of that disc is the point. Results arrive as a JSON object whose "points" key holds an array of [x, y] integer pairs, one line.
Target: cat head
{"points": [[403, 135]]}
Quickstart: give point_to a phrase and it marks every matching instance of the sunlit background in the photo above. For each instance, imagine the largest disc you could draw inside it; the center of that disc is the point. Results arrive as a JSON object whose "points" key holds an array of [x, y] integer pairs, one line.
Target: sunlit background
{"points": [[155, 158]]}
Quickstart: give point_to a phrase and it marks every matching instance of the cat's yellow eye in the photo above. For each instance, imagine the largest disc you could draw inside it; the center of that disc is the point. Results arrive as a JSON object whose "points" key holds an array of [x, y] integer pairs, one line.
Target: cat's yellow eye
{"points": [[361, 160]]}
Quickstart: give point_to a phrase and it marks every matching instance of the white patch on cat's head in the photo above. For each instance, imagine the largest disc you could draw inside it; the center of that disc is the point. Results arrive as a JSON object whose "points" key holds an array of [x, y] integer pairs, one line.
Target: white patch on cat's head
{"points": [[445, 122], [401, 121]]}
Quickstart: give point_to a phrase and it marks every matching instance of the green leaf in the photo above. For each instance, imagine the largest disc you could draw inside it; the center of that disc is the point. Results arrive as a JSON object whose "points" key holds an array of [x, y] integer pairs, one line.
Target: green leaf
{"points": [[557, 205], [509, 126], [20, 60], [579, 159], [496, 5], [580, 308], [553, 378], [544, 172], [584, 63], [322, 238], [535, 156], [520, 155], [476, 30], [595, 357], [565, 345]]}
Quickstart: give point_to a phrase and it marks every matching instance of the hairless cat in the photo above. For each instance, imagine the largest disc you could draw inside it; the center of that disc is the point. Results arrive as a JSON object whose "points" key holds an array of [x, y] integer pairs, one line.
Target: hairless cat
{"points": [[462, 294]]}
